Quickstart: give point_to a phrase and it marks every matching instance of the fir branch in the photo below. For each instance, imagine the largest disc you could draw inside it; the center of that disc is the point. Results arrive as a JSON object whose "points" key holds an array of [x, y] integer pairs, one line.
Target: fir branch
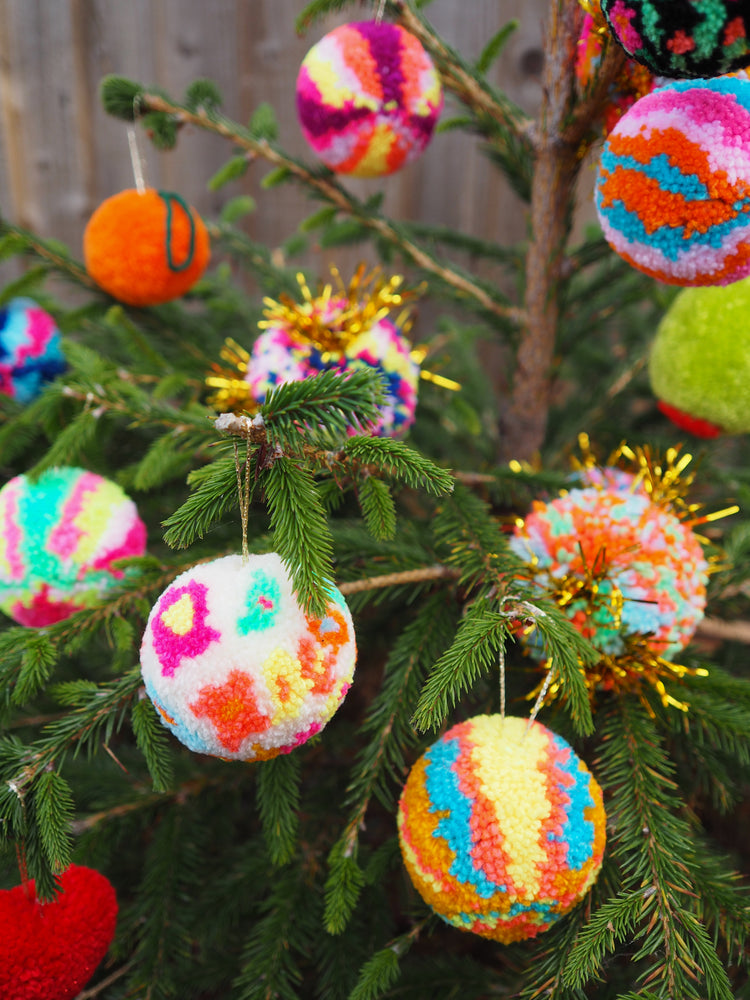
{"points": [[214, 493], [151, 738], [611, 925], [51, 253], [301, 534], [399, 462], [321, 183], [475, 543], [378, 508], [278, 792]]}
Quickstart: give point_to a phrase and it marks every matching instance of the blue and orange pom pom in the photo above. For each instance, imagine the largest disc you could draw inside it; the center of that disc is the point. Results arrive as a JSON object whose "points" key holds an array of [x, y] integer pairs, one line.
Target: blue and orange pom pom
{"points": [[673, 188], [235, 667], [368, 98], [502, 827]]}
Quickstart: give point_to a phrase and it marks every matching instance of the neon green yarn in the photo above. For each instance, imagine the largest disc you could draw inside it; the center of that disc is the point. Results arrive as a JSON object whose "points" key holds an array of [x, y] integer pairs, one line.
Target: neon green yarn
{"points": [[700, 360]]}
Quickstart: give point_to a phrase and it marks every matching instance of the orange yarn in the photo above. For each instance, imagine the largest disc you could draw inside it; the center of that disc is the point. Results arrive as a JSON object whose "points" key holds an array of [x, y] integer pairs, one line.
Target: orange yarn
{"points": [[131, 253]]}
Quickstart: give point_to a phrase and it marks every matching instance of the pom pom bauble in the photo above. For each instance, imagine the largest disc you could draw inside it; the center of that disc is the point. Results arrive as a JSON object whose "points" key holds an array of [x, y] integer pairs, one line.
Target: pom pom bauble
{"points": [[673, 189], [502, 830], [682, 38], [236, 668], [145, 248], [49, 951], [59, 537], [623, 566], [279, 356], [30, 352], [700, 360], [368, 98]]}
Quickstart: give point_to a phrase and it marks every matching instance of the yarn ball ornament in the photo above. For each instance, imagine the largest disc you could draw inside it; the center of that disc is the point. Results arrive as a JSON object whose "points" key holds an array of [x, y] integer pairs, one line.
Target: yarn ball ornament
{"points": [[700, 360], [621, 566], [673, 186], [633, 82], [368, 98], [30, 352], [682, 38], [59, 538], [502, 827], [145, 248], [279, 355], [49, 951], [235, 667]]}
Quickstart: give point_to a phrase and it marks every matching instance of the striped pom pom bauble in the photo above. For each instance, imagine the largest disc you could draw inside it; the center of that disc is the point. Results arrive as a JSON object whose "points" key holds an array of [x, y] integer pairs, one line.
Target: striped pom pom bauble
{"points": [[59, 538], [30, 352], [235, 667], [502, 827], [700, 360], [49, 951], [673, 187], [682, 38], [368, 98], [146, 247]]}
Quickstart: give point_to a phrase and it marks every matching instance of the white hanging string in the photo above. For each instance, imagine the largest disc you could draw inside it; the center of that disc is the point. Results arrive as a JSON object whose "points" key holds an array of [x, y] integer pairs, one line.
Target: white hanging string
{"points": [[502, 681], [380, 12], [541, 696], [135, 159]]}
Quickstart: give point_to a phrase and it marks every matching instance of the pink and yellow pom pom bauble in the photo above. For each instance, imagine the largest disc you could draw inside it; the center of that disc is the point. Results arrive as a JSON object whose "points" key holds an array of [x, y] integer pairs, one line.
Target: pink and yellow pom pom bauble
{"points": [[368, 98], [673, 189], [59, 538], [502, 827], [235, 667], [619, 565], [30, 353]]}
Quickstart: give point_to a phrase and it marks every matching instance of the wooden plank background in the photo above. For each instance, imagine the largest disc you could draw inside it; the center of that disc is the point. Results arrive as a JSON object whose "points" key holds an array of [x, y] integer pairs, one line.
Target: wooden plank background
{"points": [[60, 155]]}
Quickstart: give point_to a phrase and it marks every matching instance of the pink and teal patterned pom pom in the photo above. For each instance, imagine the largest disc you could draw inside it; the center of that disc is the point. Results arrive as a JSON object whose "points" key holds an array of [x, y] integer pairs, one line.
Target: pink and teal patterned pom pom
{"points": [[682, 38], [502, 827], [280, 355], [673, 188], [649, 570], [235, 667], [30, 352], [59, 538], [368, 98]]}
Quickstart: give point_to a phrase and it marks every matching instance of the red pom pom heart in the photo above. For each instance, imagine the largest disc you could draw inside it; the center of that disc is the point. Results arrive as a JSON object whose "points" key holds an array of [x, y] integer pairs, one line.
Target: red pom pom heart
{"points": [[49, 951]]}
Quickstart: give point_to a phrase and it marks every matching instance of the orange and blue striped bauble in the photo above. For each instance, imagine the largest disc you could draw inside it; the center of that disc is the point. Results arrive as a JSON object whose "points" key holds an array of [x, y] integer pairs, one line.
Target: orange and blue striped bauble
{"points": [[368, 98], [673, 188], [502, 827]]}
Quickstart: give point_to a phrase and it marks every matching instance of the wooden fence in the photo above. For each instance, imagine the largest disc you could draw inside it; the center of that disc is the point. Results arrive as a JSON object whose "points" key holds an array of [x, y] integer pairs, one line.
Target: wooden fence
{"points": [[60, 155]]}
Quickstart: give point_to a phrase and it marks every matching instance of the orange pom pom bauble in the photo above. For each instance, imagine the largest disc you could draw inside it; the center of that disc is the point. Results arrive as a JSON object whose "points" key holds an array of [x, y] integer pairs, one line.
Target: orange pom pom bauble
{"points": [[145, 248]]}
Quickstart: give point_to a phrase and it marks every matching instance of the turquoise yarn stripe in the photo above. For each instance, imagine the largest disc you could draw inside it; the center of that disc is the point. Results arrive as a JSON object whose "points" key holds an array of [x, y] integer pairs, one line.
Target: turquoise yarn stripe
{"points": [[168, 197]]}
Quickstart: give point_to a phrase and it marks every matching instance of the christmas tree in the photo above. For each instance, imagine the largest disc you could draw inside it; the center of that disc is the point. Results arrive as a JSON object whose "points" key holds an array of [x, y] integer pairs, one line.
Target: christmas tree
{"points": [[547, 585]]}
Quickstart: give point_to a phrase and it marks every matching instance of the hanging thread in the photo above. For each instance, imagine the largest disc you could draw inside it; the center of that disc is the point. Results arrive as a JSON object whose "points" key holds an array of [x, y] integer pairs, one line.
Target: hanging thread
{"points": [[380, 12], [168, 197], [136, 161], [502, 680], [243, 491], [541, 696]]}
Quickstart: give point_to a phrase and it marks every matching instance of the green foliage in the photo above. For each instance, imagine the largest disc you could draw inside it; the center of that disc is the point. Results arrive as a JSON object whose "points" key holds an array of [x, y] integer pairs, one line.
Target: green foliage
{"points": [[378, 508], [203, 95], [278, 802], [263, 123], [231, 171], [495, 46], [120, 96]]}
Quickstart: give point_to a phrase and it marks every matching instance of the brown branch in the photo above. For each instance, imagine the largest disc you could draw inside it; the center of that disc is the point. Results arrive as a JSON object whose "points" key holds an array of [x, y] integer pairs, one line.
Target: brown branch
{"points": [[715, 628], [337, 196], [396, 579], [102, 986]]}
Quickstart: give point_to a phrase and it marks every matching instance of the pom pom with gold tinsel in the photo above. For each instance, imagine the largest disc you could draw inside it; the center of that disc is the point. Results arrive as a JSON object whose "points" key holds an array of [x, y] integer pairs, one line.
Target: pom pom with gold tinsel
{"points": [[368, 98], [620, 558], [235, 667], [631, 83], [341, 329], [502, 827], [145, 247]]}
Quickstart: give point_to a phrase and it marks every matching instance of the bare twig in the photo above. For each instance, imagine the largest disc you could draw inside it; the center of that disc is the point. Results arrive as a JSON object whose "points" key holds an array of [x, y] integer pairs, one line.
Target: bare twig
{"points": [[396, 579], [715, 628]]}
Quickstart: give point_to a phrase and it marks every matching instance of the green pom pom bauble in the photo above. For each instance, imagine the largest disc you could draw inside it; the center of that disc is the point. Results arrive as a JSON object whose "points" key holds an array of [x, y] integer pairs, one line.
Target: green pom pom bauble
{"points": [[683, 39], [700, 360]]}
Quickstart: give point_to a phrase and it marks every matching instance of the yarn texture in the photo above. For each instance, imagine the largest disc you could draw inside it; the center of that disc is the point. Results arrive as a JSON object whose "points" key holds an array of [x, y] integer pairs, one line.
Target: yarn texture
{"points": [[501, 827], [235, 667], [30, 351], [49, 951], [368, 98], [146, 248], [59, 537]]}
